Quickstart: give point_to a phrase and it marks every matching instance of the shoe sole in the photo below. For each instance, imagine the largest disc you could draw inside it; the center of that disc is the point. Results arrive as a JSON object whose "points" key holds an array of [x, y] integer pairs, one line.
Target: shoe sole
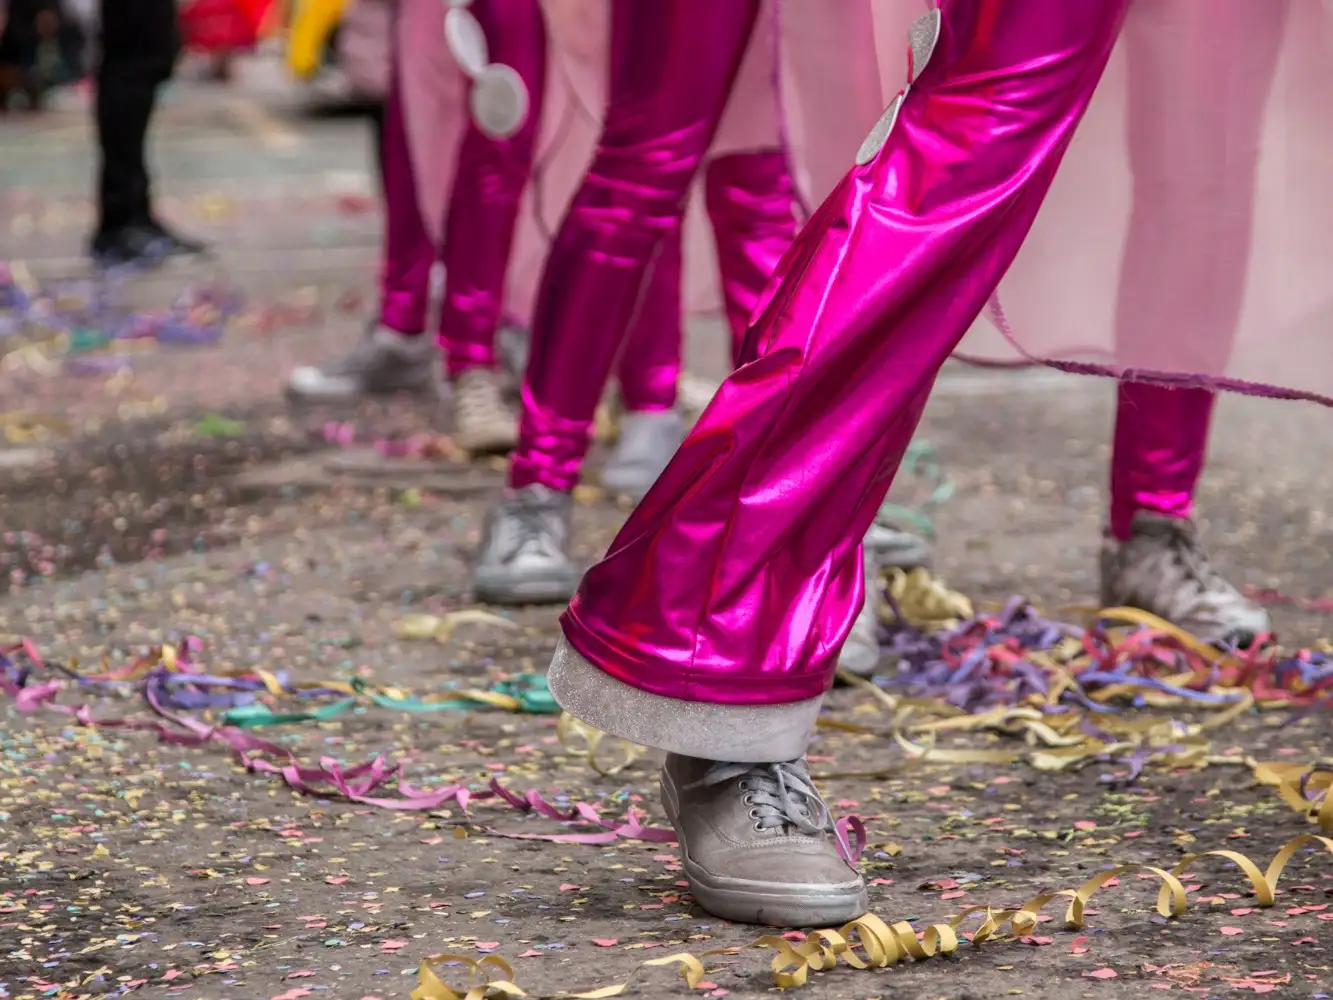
{"points": [[552, 589], [482, 446], [767, 903]]}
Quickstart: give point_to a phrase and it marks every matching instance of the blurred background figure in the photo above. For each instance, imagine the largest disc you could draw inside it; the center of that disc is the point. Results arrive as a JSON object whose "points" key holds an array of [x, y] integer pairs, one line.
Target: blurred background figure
{"points": [[140, 44], [219, 29], [40, 48]]}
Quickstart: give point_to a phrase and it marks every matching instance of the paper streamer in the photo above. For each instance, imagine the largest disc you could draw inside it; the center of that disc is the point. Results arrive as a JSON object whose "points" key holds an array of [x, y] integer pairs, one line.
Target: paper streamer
{"points": [[870, 943]]}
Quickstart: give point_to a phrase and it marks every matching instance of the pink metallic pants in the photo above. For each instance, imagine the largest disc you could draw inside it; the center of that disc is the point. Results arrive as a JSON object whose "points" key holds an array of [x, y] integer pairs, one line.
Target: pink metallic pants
{"points": [[483, 206], [408, 250], [672, 66], [738, 577], [750, 198], [1195, 157]]}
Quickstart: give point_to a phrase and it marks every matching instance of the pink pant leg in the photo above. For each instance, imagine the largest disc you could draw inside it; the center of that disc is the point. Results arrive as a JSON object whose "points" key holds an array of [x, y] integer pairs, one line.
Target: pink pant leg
{"points": [[737, 579], [751, 202], [408, 250], [488, 188], [750, 199], [1195, 134], [649, 367], [672, 65]]}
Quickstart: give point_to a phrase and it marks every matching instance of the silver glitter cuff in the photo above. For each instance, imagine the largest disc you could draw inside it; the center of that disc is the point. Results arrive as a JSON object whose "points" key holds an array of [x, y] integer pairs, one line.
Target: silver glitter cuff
{"points": [[744, 734]]}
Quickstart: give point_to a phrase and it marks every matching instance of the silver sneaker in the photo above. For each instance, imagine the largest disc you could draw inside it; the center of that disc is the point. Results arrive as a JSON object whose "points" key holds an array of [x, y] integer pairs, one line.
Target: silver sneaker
{"points": [[1162, 569], [647, 442], [524, 555], [383, 363], [483, 422], [758, 844], [885, 548]]}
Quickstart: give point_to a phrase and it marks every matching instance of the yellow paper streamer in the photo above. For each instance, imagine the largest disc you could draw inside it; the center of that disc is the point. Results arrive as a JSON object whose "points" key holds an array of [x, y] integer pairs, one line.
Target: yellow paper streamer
{"points": [[870, 943], [582, 740]]}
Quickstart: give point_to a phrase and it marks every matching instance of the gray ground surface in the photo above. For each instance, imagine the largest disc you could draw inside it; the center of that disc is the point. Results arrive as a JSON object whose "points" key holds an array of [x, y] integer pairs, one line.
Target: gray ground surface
{"points": [[130, 865]]}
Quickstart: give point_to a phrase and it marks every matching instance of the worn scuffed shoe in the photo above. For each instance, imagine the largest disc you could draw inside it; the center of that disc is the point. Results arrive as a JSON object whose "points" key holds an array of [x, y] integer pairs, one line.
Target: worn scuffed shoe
{"points": [[524, 556], [647, 442], [1162, 569], [483, 422], [385, 362], [885, 548], [758, 845]]}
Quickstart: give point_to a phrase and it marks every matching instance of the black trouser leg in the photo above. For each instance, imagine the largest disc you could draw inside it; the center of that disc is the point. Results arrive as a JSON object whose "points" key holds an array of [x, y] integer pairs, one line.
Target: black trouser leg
{"points": [[140, 42], [124, 106]]}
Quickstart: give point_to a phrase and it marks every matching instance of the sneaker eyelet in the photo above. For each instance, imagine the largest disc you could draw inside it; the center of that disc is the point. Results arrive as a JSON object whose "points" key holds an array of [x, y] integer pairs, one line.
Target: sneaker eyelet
{"points": [[754, 814], [747, 800], [743, 785], [757, 828]]}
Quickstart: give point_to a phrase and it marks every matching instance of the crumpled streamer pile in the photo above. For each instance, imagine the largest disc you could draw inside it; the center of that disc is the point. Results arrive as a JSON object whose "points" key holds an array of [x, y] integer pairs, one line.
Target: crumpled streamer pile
{"points": [[80, 327], [1070, 691]]}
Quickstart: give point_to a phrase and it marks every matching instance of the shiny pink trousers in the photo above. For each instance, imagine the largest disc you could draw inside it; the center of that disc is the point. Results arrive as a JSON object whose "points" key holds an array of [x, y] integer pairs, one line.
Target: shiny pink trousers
{"points": [[749, 199], [491, 177], [1195, 160], [738, 577], [672, 66]]}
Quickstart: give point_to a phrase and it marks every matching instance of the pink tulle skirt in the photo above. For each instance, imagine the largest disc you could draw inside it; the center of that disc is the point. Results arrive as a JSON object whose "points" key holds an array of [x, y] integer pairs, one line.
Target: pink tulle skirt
{"points": [[1187, 240]]}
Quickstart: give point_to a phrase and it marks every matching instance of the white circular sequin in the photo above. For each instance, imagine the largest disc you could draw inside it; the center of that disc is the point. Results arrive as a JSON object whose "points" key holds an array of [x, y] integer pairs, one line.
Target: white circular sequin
{"points": [[499, 101], [467, 41]]}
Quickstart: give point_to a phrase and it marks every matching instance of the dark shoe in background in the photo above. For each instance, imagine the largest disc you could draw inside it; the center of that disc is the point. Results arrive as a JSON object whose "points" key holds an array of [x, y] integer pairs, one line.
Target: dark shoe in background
{"points": [[146, 244]]}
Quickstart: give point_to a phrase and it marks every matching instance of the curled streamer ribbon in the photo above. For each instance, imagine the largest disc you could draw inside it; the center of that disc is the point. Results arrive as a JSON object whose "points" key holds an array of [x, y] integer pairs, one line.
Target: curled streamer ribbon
{"points": [[870, 943]]}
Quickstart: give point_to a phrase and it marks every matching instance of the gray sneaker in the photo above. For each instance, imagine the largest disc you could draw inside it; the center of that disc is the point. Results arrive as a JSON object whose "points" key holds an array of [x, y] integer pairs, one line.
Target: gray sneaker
{"points": [[483, 422], [524, 555], [885, 548], [383, 363], [1162, 569], [647, 442], [758, 845], [861, 652]]}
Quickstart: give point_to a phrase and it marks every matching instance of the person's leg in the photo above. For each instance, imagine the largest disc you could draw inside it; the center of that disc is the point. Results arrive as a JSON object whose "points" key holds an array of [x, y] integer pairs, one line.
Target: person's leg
{"points": [[479, 233], [394, 356], [125, 97], [712, 627], [672, 65], [651, 429], [1195, 156], [751, 201], [140, 43]]}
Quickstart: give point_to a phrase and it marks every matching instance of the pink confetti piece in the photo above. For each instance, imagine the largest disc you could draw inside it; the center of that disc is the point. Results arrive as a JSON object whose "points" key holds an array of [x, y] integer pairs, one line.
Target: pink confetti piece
{"points": [[1230, 931], [258, 881], [606, 942], [1101, 974]]}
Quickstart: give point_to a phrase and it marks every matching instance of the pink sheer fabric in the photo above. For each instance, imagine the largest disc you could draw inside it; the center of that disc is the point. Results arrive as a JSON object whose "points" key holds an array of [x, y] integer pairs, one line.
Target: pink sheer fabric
{"points": [[1189, 236], [812, 79], [1211, 112]]}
